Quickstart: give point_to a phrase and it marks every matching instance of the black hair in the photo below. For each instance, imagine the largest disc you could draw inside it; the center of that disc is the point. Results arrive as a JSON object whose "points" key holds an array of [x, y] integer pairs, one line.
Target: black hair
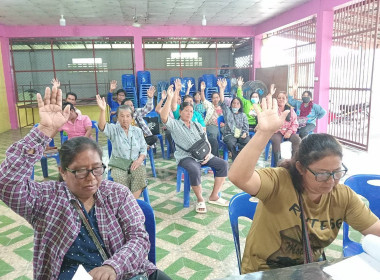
{"points": [[254, 93], [73, 94], [68, 103], [187, 96], [125, 100], [308, 93], [121, 90], [71, 148], [123, 108], [241, 104], [313, 147], [185, 104], [212, 95]]}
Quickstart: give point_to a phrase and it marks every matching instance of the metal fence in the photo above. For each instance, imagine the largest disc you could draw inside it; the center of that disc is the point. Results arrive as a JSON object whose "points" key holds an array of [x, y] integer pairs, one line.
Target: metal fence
{"points": [[355, 36]]}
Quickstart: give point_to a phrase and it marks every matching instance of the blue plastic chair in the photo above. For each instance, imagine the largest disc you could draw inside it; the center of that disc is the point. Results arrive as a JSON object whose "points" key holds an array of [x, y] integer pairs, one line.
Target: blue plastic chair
{"points": [[143, 77], [143, 94], [132, 95], [361, 185], [45, 157], [186, 183], [159, 136], [128, 81], [240, 206], [150, 226]]}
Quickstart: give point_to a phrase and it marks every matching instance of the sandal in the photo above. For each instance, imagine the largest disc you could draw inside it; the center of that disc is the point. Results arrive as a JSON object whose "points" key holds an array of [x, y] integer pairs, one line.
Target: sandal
{"points": [[220, 202], [200, 207]]}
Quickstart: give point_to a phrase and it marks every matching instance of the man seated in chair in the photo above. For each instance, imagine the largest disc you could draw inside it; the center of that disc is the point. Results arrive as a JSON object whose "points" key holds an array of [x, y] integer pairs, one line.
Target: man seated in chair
{"points": [[77, 125], [139, 113]]}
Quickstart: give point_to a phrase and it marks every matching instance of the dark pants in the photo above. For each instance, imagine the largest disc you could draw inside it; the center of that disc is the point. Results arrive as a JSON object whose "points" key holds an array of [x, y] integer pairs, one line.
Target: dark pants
{"points": [[277, 139], [304, 131], [212, 135], [233, 142], [194, 168], [168, 136], [159, 275]]}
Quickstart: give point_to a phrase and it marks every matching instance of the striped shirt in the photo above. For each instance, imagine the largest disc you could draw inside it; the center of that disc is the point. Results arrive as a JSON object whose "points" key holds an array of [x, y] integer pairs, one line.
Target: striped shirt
{"points": [[46, 206], [184, 136]]}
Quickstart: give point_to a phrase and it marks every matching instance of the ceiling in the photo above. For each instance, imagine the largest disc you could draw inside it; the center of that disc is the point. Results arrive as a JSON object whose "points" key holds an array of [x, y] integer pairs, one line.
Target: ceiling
{"points": [[147, 12]]}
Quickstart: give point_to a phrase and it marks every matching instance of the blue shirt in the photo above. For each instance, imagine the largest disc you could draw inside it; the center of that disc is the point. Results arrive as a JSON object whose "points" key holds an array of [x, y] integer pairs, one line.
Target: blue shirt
{"points": [[317, 112], [197, 117]]}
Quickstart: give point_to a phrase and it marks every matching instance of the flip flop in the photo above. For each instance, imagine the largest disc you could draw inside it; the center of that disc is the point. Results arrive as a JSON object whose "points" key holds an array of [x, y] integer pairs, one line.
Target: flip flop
{"points": [[220, 202], [200, 207]]}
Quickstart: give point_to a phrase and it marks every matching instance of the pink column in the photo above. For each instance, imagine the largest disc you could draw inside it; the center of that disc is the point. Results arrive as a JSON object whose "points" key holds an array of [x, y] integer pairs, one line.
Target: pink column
{"points": [[139, 57], [324, 34], [256, 45], [9, 83]]}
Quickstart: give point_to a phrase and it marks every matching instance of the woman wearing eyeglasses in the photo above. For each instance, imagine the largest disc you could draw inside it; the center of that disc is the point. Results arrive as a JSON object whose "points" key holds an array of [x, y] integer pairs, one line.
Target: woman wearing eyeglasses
{"points": [[310, 181], [59, 210]]}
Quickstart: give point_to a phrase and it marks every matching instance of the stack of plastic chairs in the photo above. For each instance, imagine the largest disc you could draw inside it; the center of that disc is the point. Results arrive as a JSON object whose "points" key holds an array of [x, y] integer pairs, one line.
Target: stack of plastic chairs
{"points": [[143, 83], [129, 85], [211, 86], [161, 85], [227, 91]]}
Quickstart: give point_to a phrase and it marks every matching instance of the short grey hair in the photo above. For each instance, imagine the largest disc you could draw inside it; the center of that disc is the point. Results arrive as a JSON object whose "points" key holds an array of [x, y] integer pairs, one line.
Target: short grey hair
{"points": [[124, 108]]}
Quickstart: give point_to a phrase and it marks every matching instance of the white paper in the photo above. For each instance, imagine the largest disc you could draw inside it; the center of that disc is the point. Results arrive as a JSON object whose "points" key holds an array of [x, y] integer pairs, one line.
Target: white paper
{"points": [[362, 266], [286, 150], [81, 274]]}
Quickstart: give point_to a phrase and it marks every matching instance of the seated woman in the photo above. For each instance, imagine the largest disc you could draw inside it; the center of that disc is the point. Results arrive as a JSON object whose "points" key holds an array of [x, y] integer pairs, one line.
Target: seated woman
{"points": [[308, 186], [61, 241], [128, 148], [198, 105], [236, 130], [77, 124], [307, 111], [248, 104], [185, 134], [288, 130]]}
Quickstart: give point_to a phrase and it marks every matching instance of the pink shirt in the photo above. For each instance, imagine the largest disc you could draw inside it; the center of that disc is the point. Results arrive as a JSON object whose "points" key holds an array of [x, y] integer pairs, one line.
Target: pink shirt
{"points": [[291, 125], [78, 128]]}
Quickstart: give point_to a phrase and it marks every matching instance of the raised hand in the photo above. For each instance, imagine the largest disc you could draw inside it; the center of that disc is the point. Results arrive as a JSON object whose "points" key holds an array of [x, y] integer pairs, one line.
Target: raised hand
{"points": [[189, 84], [55, 83], [268, 117], [101, 102], [50, 109], [170, 92], [240, 82], [151, 91], [203, 86], [222, 84], [113, 85], [272, 89], [178, 84], [294, 89], [163, 94]]}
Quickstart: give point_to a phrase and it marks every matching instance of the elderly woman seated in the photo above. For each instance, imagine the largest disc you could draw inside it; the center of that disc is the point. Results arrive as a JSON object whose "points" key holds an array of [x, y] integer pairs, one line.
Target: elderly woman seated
{"points": [[64, 213], [128, 148], [185, 134]]}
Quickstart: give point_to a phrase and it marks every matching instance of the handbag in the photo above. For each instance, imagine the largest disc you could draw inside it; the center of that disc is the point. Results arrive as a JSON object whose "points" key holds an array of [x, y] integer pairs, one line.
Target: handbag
{"points": [[151, 139], [200, 149], [122, 163]]}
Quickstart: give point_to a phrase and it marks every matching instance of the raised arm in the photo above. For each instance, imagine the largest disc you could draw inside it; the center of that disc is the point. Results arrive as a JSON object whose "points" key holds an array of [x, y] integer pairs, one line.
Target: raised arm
{"points": [[189, 86], [102, 117], [242, 172], [149, 104], [203, 87], [178, 86], [159, 104], [222, 83], [165, 110]]}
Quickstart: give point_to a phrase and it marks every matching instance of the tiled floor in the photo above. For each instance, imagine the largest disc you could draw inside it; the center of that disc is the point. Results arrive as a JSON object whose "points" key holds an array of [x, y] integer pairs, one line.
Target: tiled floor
{"points": [[189, 245]]}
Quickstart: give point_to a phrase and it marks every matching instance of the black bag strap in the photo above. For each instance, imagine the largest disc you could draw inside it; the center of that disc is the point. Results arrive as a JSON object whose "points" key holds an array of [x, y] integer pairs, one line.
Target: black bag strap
{"points": [[90, 230], [307, 251], [202, 137]]}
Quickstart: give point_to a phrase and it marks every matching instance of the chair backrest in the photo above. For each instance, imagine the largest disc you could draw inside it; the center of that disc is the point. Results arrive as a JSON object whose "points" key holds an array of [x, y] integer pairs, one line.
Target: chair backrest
{"points": [[363, 184], [150, 226], [128, 80], [95, 126], [51, 144], [220, 120], [240, 206]]}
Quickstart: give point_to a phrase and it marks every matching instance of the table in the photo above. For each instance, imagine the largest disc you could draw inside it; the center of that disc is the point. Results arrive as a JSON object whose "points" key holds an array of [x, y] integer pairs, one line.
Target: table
{"points": [[311, 271]]}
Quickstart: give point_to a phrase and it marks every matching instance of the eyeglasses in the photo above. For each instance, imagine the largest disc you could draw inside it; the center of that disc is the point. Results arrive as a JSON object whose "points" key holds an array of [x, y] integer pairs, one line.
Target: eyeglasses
{"points": [[83, 173], [324, 176]]}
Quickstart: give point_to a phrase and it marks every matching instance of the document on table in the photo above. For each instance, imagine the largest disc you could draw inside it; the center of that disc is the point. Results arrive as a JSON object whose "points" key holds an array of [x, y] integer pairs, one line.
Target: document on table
{"points": [[81, 274], [363, 266]]}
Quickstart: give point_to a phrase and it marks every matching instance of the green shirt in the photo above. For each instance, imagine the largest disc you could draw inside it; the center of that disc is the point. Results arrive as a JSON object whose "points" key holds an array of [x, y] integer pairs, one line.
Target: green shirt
{"points": [[247, 107]]}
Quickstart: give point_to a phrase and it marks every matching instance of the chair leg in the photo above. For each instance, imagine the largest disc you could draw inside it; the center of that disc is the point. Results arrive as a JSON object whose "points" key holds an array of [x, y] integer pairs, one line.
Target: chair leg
{"points": [[162, 146], [44, 167], [145, 194], [179, 178], [151, 158], [167, 149], [186, 190], [267, 150]]}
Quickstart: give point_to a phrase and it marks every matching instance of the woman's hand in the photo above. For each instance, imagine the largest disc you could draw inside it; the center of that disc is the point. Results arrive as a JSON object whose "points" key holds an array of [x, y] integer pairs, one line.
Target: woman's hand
{"points": [[136, 164], [50, 109], [178, 85], [244, 135], [163, 94], [55, 83], [207, 158], [104, 272], [287, 134], [101, 102], [151, 91], [240, 82], [113, 85], [222, 84], [268, 117], [203, 86], [294, 90], [170, 92], [189, 84], [272, 89]]}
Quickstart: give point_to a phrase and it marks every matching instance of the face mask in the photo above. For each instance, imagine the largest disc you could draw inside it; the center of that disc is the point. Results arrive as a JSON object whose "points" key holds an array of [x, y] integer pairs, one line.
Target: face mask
{"points": [[235, 110], [255, 100], [305, 99]]}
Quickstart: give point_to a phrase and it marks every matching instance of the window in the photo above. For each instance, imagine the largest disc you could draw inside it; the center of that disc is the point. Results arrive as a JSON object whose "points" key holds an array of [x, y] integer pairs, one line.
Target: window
{"points": [[87, 65], [186, 59]]}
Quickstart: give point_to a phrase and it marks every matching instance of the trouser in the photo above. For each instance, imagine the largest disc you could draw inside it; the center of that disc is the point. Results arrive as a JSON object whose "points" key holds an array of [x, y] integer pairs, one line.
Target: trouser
{"points": [[277, 138], [212, 135], [304, 131], [233, 142]]}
